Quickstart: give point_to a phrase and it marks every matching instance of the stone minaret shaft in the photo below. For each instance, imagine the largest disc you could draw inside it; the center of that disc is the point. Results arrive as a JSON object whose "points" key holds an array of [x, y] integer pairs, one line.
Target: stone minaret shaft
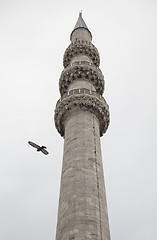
{"points": [[81, 117]]}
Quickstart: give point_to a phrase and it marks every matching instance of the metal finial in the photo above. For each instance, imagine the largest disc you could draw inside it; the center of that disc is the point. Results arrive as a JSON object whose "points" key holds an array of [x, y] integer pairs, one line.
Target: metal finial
{"points": [[80, 13]]}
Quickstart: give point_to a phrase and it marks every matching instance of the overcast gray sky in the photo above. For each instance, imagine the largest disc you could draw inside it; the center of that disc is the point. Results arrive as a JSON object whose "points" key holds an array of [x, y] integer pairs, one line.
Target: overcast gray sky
{"points": [[33, 37]]}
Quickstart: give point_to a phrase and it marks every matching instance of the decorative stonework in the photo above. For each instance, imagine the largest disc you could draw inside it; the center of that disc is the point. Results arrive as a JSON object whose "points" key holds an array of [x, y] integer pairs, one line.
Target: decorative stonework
{"points": [[81, 47], [89, 101], [85, 72]]}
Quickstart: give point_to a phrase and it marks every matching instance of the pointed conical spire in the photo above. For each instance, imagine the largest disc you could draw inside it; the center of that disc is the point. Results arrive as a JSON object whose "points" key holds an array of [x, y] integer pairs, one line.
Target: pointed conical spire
{"points": [[80, 24]]}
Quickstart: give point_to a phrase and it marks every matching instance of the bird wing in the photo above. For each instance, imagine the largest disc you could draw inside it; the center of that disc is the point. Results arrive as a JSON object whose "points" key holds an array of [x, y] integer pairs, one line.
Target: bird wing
{"points": [[33, 144], [44, 151]]}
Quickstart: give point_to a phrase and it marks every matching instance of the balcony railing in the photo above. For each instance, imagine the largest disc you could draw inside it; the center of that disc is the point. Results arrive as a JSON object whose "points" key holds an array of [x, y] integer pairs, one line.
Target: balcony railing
{"points": [[82, 91]]}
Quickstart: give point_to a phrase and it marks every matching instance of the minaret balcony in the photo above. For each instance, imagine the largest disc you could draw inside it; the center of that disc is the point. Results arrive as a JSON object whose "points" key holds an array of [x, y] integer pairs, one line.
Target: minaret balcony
{"points": [[81, 71], [85, 100], [81, 47]]}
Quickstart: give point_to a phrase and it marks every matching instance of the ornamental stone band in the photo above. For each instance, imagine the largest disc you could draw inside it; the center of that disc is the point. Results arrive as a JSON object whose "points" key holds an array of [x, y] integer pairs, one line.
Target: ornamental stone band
{"points": [[81, 47], [81, 71]]}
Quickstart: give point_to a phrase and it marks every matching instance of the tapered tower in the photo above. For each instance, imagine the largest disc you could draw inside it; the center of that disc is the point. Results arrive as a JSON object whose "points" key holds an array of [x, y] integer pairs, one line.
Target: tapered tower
{"points": [[81, 117]]}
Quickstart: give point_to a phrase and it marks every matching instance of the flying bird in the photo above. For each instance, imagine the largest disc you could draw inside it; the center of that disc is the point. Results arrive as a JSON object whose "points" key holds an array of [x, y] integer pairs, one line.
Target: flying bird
{"points": [[39, 149]]}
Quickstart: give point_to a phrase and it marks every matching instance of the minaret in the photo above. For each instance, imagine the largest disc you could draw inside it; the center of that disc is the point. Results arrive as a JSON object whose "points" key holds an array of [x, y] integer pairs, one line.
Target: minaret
{"points": [[81, 117]]}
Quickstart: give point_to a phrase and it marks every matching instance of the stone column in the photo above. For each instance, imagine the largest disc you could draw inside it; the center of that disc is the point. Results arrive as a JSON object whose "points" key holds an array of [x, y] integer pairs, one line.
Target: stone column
{"points": [[81, 117], [82, 205]]}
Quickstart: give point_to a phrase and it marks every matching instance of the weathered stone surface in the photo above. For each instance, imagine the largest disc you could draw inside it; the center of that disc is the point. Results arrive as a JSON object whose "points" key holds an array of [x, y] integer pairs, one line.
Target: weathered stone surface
{"points": [[81, 71], [81, 47], [85, 35], [82, 205]]}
